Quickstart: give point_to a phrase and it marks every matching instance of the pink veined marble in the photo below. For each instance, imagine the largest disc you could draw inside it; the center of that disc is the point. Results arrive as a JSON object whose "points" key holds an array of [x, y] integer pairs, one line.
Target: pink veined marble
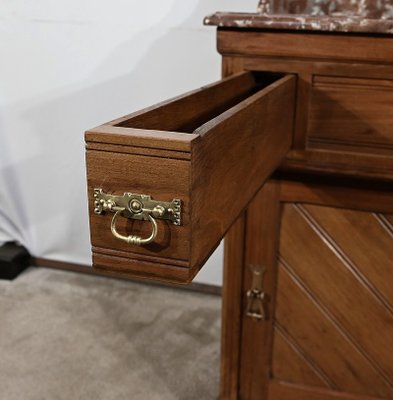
{"points": [[375, 9], [352, 16]]}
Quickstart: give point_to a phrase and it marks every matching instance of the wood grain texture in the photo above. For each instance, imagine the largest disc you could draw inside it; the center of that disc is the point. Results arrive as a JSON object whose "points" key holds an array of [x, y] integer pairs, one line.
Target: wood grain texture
{"points": [[284, 391], [322, 342], [136, 268], [351, 114], [88, 270], [345, 298], [347, 47], [344, 101], [187, 112], [334, 302], [358, 195], [255, 132], [328, 316], [355, 233], [231, 66], [200, 168], [141, 151], [331, 68], [290, 363], [119, 173], [261, 249], [232, 309], [232, 287], [340, 163], [333, 329], [140, 138]]}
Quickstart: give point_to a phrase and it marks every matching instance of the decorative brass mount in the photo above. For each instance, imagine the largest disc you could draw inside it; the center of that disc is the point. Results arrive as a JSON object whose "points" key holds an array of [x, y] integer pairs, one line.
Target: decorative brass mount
{"points": [[256, 296], [139, 207]]}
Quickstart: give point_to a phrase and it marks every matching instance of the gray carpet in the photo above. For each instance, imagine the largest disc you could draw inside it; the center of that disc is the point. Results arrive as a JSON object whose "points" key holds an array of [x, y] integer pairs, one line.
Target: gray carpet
{"points": [[71, 336]]}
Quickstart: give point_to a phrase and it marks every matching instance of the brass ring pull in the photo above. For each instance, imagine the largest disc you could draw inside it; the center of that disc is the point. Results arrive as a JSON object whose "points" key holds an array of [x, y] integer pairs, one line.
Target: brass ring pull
{"points": [[136, 240], [138, 207]]}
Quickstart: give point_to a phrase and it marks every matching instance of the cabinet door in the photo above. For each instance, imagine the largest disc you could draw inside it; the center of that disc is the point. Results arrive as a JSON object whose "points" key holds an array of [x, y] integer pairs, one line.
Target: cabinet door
{"points": [[211, 150], [328, 332]]}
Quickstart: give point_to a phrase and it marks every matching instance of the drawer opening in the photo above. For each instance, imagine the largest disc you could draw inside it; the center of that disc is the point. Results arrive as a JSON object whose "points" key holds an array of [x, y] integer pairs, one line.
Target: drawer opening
{"points": [[186, 113]]}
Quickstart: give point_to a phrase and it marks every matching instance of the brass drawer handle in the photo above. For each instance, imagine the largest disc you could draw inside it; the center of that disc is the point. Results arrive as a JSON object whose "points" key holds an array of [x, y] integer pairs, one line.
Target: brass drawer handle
{"points": [[136, 206], [136, 240]]}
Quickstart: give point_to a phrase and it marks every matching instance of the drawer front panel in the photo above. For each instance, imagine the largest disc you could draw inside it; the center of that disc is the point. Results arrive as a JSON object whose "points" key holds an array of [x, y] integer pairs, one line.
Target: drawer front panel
{"points": [[117, 173], [351, 114], [231, 136]]}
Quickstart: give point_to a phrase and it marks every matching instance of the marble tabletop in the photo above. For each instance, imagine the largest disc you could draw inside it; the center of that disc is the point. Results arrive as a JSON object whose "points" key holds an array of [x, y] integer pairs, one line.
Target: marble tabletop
{"points": [[357, 16]]}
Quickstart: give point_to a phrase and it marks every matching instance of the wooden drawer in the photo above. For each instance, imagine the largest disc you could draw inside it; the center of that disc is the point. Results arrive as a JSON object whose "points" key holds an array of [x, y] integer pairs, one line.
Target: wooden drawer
{"points": [[212, 149], [351, 115]]}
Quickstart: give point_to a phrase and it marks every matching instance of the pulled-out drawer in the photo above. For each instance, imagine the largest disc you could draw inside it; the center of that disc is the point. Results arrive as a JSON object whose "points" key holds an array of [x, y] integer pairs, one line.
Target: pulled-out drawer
{"points": [[167, 182]]}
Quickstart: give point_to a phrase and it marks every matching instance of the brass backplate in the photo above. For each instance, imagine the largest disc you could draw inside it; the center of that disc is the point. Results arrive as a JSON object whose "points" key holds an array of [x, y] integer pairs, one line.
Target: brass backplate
{"points": [[137, 206]]}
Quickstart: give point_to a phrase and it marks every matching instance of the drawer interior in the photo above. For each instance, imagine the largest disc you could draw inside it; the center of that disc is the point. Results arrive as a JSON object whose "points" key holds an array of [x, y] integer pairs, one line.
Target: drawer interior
{"points": [[187, 113]]}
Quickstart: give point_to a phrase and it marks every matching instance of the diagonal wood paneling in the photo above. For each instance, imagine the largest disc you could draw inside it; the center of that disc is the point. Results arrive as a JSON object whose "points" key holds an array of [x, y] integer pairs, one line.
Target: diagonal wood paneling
{"points": [[286, 391], [291, 364], [334, 301], [365, 242], [386, 221], [323, 342], [390, 219]]}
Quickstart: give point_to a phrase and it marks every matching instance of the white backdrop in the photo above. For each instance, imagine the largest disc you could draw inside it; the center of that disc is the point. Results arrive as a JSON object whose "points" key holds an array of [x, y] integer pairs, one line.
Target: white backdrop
{"points": [[67, 66]]}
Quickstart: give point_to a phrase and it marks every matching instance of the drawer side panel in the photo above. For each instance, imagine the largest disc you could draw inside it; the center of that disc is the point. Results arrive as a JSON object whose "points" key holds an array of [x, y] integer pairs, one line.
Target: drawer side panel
{"points": [[232, 161]]}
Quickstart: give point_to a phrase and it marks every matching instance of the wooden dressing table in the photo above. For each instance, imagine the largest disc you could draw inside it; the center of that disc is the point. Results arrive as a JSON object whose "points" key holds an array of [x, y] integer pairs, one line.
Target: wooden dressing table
{"points": [[290, 156]]}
